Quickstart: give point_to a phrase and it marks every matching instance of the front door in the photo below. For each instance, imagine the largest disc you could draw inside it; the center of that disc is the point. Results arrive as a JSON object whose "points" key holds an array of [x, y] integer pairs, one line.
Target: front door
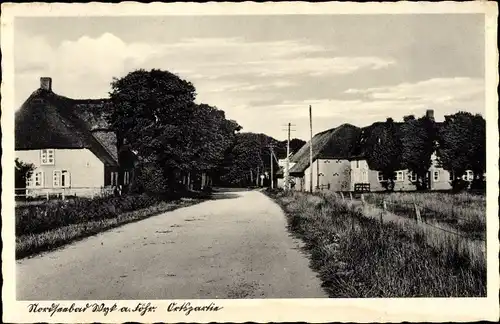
{"points": [[65, 179]]}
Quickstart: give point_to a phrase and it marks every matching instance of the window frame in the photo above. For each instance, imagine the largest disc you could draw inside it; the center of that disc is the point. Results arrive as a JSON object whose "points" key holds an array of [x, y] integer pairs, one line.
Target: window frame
{"points": [[413, 176], [400, 176], [435, 175], [58, 185], [31, 182], [45, 156]]}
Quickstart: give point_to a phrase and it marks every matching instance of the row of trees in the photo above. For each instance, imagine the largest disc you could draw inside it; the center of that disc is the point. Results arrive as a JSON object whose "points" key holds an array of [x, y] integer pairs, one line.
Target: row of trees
{"points": [[459, 143], [175, 140], [249, 157], [154, 114]]}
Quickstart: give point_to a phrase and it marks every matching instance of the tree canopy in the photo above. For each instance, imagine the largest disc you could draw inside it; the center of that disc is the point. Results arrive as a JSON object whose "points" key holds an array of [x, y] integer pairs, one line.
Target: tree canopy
{"points": [[250, 156], [385, 152], [155, 114], [462, 144], [418, 144]]}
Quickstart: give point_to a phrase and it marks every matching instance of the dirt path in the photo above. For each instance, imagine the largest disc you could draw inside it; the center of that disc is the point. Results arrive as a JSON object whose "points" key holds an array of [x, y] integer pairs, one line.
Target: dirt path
{"points": [[235, 246]]}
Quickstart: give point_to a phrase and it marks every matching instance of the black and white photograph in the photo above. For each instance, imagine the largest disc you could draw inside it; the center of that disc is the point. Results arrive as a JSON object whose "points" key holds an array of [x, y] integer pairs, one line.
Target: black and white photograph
{"points": [[176, 164]]}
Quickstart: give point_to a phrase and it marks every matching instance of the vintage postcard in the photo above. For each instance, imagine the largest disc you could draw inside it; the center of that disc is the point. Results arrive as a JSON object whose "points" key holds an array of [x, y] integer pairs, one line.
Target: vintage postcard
{"points": [[250, 162]]}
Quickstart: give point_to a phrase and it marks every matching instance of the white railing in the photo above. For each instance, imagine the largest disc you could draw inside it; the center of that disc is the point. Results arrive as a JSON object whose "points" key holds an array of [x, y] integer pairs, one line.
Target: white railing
{"points": [[63, 193]]}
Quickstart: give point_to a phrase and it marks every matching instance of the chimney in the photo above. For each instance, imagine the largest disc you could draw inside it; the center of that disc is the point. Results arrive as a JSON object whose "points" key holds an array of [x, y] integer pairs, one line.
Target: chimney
{"points": [[46, 83], [430, 114]]}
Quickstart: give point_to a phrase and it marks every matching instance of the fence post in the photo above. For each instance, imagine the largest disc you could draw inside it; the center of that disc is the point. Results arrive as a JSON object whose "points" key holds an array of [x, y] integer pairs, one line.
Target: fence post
{"points": [[63, 196], [384, 204], [418, 218], [47, 195], [350, 195], [342, 195], [362, 198]]}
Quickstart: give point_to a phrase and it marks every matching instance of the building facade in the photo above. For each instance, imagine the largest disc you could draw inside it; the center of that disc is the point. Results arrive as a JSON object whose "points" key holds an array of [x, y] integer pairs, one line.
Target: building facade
{"points": [[339, 163], [64, 139]]}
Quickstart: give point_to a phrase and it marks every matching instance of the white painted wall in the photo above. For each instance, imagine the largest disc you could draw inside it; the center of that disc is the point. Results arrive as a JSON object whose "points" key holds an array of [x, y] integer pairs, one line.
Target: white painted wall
{"points": [[360, 173], [333, 172], [85, 169], [360, 168]]}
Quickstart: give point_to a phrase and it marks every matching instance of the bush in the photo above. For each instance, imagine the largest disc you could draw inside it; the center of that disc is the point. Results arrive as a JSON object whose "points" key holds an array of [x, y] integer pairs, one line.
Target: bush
{"points": [[40, 218]]}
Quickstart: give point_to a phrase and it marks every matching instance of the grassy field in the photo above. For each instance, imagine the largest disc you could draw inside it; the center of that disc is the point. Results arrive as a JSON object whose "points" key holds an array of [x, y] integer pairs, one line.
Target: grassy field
{"points": [[357, 256], [465, 213], [48, 226]]}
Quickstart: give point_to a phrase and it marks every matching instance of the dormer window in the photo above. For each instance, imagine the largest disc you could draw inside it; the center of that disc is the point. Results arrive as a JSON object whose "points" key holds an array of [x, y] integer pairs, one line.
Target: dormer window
{"points": [[47, 157]]}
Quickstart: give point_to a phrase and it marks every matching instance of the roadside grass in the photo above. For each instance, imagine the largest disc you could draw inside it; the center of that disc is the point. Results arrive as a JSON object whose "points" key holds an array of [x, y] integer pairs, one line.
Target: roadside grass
{"points": [[463, 212], [33, 241], [358, 257]]}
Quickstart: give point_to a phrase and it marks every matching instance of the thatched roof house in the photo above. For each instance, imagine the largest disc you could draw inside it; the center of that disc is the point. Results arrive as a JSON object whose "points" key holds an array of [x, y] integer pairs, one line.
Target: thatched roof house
{"points": [[48, 120], [343, 142], [335, 143]]}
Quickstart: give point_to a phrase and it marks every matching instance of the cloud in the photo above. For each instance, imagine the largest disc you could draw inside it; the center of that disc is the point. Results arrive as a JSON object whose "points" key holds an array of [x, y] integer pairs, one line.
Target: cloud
{"points": [[436, 91], [80, 68], [250, 80], [84, 67]]}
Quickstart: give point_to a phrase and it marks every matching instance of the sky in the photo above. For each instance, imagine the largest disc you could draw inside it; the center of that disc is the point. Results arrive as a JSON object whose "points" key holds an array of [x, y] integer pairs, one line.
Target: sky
{"points": [[265, 70]]}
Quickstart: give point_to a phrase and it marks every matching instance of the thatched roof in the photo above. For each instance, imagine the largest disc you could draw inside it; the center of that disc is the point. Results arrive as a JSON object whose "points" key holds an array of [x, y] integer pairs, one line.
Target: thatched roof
{"points": [[344, 142], [47, 120], [367, 139], [335, 143]]}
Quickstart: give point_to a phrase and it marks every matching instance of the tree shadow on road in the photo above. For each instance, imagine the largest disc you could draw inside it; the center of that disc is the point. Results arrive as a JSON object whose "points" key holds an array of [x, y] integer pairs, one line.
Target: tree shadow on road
{"points": [[223, 195]]}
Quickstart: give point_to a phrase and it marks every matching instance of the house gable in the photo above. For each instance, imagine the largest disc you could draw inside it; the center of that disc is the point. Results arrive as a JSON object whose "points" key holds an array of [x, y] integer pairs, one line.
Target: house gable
{"points": [[335, 143], [47, 120]]}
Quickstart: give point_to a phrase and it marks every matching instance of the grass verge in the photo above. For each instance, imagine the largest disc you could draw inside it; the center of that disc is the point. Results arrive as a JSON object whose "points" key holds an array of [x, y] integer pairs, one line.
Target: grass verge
{"points": [[357, 257], [35, 243], [463, 212]]}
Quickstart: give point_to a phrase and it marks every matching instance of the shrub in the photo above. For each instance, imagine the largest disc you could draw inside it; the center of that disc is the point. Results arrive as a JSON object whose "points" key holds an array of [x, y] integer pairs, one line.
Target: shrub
{"points": [[40, 218]]}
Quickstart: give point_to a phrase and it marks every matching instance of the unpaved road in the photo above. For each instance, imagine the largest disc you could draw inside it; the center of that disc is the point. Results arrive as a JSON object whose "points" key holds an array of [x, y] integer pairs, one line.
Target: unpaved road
{"points": [[235, 246]]}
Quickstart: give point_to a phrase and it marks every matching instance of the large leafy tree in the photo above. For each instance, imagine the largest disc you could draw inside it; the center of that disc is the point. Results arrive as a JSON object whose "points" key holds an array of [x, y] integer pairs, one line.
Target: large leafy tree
{"points": [[211, 134], [152, 113], [462, 145], [418, 144], [385, 152]]}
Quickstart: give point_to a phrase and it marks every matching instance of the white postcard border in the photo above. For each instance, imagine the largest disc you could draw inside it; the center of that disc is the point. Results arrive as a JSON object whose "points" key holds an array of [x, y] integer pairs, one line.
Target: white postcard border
{"points": [[259, 310]]}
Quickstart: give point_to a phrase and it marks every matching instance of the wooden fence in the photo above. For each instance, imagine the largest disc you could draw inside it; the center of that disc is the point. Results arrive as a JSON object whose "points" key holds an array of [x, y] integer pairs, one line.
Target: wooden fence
{"points": [[26, 194]]}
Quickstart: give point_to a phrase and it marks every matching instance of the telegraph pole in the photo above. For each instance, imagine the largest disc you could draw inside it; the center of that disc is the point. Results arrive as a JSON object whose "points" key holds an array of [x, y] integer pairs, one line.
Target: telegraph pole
{"points": [[287, 159], [271, 155], [287, 163], [310, 151]]}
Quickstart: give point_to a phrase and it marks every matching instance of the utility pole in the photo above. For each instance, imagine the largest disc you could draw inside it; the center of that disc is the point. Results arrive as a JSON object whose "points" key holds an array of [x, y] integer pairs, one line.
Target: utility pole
{"points": [[271, 155], [287, 180], [310, 151], [287, 163]]}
